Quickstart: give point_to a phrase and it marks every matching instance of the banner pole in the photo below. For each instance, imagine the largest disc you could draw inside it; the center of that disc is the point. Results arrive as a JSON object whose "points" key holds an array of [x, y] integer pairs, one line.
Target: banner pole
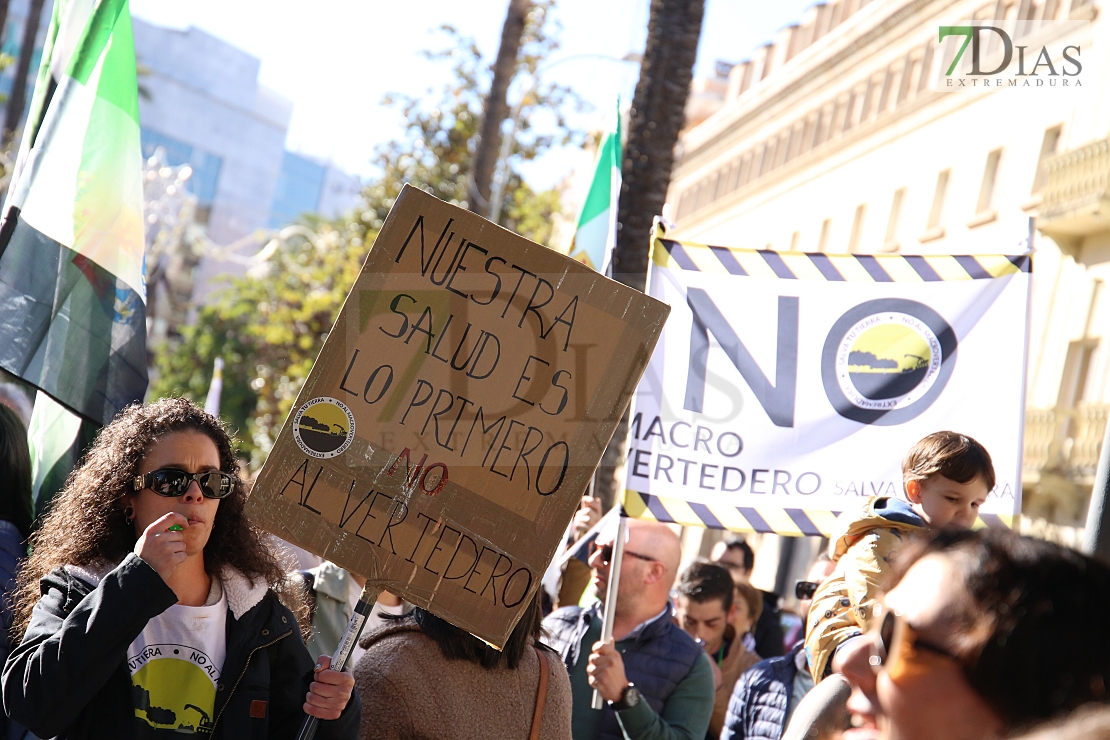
{"points": [[611, 594], [1016, 524], [361, 613], [622, 521]]}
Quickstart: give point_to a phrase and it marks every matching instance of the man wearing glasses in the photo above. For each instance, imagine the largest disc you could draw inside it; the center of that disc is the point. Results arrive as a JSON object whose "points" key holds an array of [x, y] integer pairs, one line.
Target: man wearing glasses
{"points": [[655, 679]]}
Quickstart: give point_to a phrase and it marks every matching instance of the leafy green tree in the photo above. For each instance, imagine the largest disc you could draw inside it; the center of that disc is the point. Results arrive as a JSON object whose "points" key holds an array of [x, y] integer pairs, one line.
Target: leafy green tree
{"points": [[269, 326]]}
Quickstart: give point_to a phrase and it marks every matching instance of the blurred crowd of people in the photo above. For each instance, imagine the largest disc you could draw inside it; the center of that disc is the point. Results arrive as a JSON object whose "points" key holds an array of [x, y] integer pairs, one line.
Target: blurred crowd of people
{"points": [[911, 625]]}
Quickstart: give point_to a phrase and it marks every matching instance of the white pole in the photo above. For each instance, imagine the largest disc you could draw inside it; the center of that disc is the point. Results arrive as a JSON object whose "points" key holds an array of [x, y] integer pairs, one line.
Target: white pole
{"points": [[215, 388], [611, 594], [1016, 524]]}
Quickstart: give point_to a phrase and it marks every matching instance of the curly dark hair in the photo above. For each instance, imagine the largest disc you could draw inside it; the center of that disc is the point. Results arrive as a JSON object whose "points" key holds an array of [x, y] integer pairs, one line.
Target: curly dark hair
{"points": [[87, 524]]}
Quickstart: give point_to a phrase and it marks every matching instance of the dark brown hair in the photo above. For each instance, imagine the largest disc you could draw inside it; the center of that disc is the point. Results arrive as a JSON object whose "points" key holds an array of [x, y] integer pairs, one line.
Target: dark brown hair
{"points": [[750, 596], [704, 581], [956, 456], [15, 471], [458, 644], [87, 525], [1034, 636]]}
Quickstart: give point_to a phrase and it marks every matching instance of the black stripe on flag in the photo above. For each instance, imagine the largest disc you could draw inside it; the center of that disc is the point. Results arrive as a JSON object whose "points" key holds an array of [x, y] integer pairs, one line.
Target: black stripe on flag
{"points": [[924, 270], [973, 267], [678, 254], [759, 524], [68, 326], [1022, 262], [825, 266], [705, 515], [802, 520], [729, 261], [774, 261], [657, 509], [874, 269]]}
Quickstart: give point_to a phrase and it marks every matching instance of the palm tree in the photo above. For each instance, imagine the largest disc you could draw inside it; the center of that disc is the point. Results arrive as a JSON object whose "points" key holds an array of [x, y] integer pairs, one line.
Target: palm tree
{"points": [[496, 108], [657, 117]]}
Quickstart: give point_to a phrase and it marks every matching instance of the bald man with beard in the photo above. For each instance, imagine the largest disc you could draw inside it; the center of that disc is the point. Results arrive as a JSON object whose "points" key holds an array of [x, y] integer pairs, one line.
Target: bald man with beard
{"points": [[656, 681]]}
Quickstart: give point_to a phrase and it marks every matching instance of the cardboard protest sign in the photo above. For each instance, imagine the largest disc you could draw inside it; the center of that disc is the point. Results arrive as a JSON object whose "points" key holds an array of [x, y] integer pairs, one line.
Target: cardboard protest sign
{"points": [[456, 413]]}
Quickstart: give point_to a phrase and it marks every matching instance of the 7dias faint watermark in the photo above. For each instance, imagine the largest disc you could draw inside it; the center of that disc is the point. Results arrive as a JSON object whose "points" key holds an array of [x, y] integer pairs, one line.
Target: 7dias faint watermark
{"points": [[987, 55]]}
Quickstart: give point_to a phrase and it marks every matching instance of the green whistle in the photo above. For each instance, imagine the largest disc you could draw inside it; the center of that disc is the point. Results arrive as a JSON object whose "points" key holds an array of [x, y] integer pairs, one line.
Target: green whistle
{"points": [[175, 528]]}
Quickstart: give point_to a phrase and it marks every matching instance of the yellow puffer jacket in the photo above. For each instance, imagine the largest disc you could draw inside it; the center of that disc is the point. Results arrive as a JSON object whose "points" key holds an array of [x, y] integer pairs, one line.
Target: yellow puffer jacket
{"points": [[862, 548]]}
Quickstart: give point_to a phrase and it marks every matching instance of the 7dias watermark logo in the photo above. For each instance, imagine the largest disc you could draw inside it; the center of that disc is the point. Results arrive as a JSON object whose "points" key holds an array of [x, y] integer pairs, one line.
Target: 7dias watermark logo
{"points": [[987, 55]]}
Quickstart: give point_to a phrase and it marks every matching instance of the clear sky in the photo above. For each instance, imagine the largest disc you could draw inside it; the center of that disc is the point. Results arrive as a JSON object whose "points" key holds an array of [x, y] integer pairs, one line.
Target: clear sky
{"points": [[335, 59]]}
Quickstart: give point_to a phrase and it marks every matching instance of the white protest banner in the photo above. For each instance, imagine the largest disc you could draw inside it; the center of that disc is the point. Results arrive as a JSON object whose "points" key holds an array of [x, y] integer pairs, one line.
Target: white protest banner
{"points": [[789, 385]]}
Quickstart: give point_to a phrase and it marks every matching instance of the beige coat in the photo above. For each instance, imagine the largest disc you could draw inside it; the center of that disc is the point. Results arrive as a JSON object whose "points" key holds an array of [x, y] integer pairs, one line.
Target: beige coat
{"points": [[862, 547], [409, 691], [737, 660]]}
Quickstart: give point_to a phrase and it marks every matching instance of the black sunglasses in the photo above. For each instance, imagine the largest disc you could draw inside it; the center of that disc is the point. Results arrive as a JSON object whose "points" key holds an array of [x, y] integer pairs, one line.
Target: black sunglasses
{"points": [[804, 590], [171, 482], [894, 627], [607, 553]]}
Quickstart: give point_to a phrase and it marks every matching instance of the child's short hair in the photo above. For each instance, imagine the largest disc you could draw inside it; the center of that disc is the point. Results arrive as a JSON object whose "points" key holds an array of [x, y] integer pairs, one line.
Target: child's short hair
{"points": [[754, 599], [956, 456], [704, 581]]}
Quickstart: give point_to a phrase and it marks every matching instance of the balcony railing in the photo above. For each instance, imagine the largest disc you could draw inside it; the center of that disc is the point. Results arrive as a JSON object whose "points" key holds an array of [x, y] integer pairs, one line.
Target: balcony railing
{"points": [[1065, 439], [1076, 197]]}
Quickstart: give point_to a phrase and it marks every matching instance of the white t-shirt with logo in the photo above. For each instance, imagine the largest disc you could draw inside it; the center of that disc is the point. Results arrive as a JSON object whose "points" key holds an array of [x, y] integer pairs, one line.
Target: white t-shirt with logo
{"points": [[175, 664]]}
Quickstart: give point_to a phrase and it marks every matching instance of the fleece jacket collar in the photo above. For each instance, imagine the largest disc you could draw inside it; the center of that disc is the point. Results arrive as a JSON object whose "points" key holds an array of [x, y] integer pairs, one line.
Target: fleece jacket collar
{"points": [[242, 593]]}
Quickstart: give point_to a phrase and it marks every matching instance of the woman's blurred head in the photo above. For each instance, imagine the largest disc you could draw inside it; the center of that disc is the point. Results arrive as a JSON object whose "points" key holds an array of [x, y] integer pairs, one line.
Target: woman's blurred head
{"points": [[98, 515], [985, 632], [15, 472]]}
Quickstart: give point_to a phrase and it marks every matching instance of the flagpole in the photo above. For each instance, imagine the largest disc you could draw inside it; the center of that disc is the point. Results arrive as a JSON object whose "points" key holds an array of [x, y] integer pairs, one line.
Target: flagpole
{"points": [[611, 594]]}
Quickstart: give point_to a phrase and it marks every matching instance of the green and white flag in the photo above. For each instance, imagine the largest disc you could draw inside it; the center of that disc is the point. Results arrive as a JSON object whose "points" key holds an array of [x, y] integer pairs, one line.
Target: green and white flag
{"points": [[72, 289], [596, 234]]}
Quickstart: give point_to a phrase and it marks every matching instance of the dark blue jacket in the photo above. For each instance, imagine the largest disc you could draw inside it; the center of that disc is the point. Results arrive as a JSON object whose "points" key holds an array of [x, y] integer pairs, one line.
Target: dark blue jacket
{"points": [[761, 699], [661, 656]]}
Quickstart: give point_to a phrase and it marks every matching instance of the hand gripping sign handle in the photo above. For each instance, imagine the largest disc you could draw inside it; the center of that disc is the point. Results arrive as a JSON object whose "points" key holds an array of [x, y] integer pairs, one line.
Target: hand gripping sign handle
{"points": [[362, 611], [611, 593]]}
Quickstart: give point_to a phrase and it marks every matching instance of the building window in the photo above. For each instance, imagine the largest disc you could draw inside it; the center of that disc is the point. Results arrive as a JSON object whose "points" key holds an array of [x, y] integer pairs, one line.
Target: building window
{"points": [[857, 228], [936, 211], [1077, 369], [1049, 144], [823, 239], [890, 241], [986, 188]]}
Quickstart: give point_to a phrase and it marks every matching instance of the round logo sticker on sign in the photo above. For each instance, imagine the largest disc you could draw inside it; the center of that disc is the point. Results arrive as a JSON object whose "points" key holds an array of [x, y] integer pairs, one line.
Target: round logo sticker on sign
{"points": [[324, 427], [886, 361]]}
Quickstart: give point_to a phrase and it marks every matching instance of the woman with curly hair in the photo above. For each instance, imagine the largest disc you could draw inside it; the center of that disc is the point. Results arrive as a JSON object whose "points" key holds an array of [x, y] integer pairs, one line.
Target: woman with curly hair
{"points": [[149, 606]]}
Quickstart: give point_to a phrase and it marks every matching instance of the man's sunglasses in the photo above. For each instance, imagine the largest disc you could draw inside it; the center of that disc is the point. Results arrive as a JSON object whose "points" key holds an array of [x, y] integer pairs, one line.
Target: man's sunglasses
{"points": [[805, 590], [607, 553], [903, 653], [171, 482]]}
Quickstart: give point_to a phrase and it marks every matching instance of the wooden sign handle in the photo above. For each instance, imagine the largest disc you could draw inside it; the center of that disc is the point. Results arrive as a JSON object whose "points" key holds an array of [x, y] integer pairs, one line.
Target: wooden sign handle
{"points": [[363, 609]]}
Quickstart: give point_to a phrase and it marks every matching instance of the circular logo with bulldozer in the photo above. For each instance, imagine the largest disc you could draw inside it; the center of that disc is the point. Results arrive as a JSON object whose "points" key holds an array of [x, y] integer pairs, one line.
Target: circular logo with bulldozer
{"points": [[886, 361], [324, 427]]}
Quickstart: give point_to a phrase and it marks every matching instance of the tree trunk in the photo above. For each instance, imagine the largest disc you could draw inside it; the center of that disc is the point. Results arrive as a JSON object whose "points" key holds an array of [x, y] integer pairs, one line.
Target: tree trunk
{"points": [[496, 108], [18, 99], [657, 117]]}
